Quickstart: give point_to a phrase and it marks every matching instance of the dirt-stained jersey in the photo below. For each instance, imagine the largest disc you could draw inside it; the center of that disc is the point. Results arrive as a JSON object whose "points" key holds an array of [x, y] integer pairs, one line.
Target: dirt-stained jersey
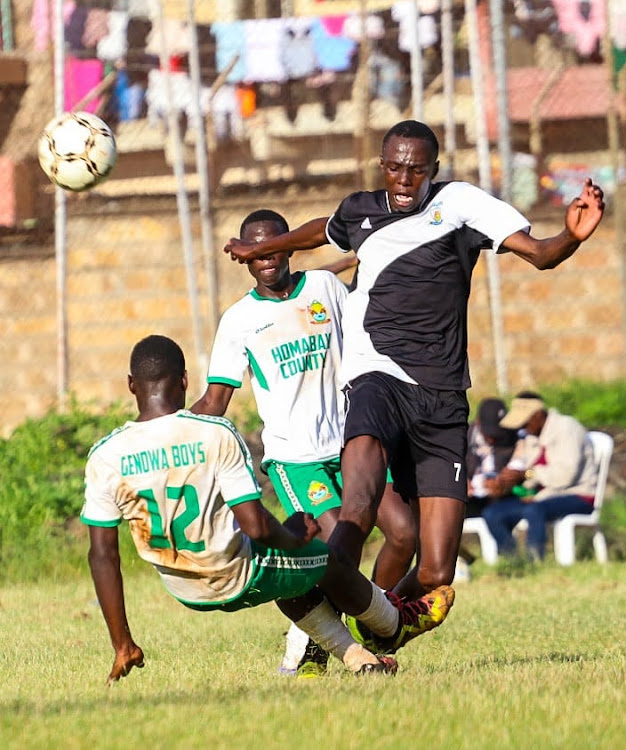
{"points": [[292, 351], [407, 315], [175, 479]]}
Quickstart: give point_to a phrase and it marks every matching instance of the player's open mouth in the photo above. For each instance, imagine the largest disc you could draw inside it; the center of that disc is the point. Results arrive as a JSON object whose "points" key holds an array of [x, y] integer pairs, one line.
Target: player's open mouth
{"points": [[403, 201]]}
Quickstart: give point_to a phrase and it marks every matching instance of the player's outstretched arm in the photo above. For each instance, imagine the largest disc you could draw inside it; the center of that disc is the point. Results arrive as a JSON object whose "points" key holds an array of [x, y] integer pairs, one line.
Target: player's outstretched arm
{"points": [[104, 563], [305, 237], [581, 219], [215, 400]]}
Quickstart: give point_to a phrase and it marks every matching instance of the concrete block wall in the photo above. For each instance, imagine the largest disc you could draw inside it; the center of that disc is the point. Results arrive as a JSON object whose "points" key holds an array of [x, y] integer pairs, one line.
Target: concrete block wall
{"points": [[126, 279]]}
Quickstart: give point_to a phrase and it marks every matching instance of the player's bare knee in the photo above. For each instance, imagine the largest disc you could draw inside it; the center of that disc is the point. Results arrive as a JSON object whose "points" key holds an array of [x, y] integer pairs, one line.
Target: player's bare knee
{"points": [[401, 539], [431, 578]]}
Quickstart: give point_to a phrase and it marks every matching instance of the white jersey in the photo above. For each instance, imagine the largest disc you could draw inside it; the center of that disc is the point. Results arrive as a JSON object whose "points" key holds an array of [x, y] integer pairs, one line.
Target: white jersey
{"points": [[407, 315], [174, 479], [292, 351]]}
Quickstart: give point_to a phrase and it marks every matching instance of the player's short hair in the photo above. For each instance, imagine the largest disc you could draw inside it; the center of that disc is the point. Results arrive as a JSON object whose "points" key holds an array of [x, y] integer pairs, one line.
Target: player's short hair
{"points": [[413, 129], [156, 358], [264, 214]]}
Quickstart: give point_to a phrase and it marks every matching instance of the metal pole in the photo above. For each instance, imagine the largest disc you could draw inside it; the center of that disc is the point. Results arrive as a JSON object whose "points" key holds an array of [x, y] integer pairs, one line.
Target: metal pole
{"points": [[60, 217], [208, 248], [613, 127], [498, 44], [484, 172], [7, 26], [362, 102], [417, 68], [447, 62], [182, 202]]}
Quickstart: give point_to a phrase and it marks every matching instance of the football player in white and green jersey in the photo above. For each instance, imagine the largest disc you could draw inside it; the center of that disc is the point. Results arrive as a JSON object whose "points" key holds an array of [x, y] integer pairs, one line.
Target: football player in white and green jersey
{"points": [[287, 334], [185, 485]]}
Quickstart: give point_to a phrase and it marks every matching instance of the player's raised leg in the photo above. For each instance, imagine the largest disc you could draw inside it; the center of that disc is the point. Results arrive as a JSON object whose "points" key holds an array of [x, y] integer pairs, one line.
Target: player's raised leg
{"points": [[316, 617], [364, 474], [314, 488], [424, 596], [353, 594], [397, 524], [440, 530]]}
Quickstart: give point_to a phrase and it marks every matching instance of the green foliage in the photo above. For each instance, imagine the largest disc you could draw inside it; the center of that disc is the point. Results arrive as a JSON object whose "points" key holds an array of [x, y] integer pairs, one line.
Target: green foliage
{"points": [[247, 420], [613, 520], [43, 462], [596, 405], [43, 465]]}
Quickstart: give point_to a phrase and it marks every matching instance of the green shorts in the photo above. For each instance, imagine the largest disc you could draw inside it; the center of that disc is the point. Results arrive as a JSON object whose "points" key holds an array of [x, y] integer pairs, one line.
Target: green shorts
{"points": [[278, 574], [313, 487]]}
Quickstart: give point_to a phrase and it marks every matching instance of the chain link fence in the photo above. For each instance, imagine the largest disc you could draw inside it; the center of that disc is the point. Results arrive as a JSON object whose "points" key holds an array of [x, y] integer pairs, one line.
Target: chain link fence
{"points": [[222, 108]]}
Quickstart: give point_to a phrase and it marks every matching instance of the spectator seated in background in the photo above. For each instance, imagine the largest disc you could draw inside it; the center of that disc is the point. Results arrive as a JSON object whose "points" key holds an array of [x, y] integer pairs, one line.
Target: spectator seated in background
{"points": [[489, 450], [559, 474]]}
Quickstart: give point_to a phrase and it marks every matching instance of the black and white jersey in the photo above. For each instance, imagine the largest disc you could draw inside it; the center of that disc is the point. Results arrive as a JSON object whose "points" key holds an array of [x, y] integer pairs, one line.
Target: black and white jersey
{"points": [[407, 315]]}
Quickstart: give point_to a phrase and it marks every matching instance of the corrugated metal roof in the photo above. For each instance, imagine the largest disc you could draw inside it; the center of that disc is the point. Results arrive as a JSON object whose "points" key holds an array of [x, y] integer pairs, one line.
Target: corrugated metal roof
{"points": [[577, 92]]}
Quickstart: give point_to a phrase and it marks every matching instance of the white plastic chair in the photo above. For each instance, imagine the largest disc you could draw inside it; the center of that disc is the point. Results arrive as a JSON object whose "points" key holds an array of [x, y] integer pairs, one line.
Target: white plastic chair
{"points": [[564, 542], [488, 546]]}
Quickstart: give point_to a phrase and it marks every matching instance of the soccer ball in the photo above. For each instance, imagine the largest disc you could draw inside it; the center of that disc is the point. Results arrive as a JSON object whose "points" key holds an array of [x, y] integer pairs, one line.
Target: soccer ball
{"points": [[77, 150]]}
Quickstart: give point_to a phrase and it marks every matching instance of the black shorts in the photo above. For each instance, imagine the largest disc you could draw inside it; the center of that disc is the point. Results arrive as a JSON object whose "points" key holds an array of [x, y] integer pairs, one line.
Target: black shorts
{"points": [[423, 431]]}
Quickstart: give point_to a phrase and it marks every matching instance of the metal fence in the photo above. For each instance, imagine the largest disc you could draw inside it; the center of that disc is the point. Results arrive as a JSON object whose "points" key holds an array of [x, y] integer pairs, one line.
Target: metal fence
{"points": [[220, 108]]}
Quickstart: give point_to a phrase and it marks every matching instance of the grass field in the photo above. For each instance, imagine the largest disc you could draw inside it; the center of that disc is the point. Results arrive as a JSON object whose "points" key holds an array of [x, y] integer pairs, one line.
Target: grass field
{"points": [[531, 662]]}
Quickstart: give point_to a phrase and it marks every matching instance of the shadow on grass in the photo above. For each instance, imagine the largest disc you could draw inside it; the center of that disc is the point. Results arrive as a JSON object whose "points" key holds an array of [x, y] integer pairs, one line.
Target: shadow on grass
{"points": [[113, 696], [499, 661]]}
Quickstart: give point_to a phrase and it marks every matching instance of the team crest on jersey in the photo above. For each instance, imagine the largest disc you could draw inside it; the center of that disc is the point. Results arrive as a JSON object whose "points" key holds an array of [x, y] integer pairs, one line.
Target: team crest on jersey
{"points": [[318, 492], [317, 312], [435, 215]]}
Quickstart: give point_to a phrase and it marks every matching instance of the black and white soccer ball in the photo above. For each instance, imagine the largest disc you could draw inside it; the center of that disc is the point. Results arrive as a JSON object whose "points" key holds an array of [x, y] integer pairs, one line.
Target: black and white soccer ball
{"points": [[77, 150]]}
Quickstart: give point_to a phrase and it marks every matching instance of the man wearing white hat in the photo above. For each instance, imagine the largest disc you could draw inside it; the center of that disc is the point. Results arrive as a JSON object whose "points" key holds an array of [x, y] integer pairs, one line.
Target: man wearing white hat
{"points": [[560, 477]]}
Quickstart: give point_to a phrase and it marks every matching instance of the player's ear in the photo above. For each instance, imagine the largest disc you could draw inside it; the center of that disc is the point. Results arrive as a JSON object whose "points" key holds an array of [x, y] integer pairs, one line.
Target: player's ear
{"points": [[435, 170], [185, 381], [131, 385], [380, 161]]}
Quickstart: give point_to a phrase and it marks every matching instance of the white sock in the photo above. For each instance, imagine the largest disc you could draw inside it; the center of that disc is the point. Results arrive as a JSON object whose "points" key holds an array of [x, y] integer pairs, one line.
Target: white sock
{"points": [[381, 616], [295, 645], [324, 626]]}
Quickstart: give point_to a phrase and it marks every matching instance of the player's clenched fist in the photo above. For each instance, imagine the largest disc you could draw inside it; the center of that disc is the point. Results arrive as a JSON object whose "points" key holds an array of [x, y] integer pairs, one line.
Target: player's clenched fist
{"points": [[303, 525]]}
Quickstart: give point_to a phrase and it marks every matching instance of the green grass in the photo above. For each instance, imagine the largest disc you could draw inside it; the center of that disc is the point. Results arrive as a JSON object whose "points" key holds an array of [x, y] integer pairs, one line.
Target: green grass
{"points": [[530, 662]]}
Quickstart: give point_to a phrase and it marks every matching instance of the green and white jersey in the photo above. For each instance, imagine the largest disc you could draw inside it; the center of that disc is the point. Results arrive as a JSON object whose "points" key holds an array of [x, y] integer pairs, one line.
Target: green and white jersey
{"points": [[292, 350], [175, 479]]}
